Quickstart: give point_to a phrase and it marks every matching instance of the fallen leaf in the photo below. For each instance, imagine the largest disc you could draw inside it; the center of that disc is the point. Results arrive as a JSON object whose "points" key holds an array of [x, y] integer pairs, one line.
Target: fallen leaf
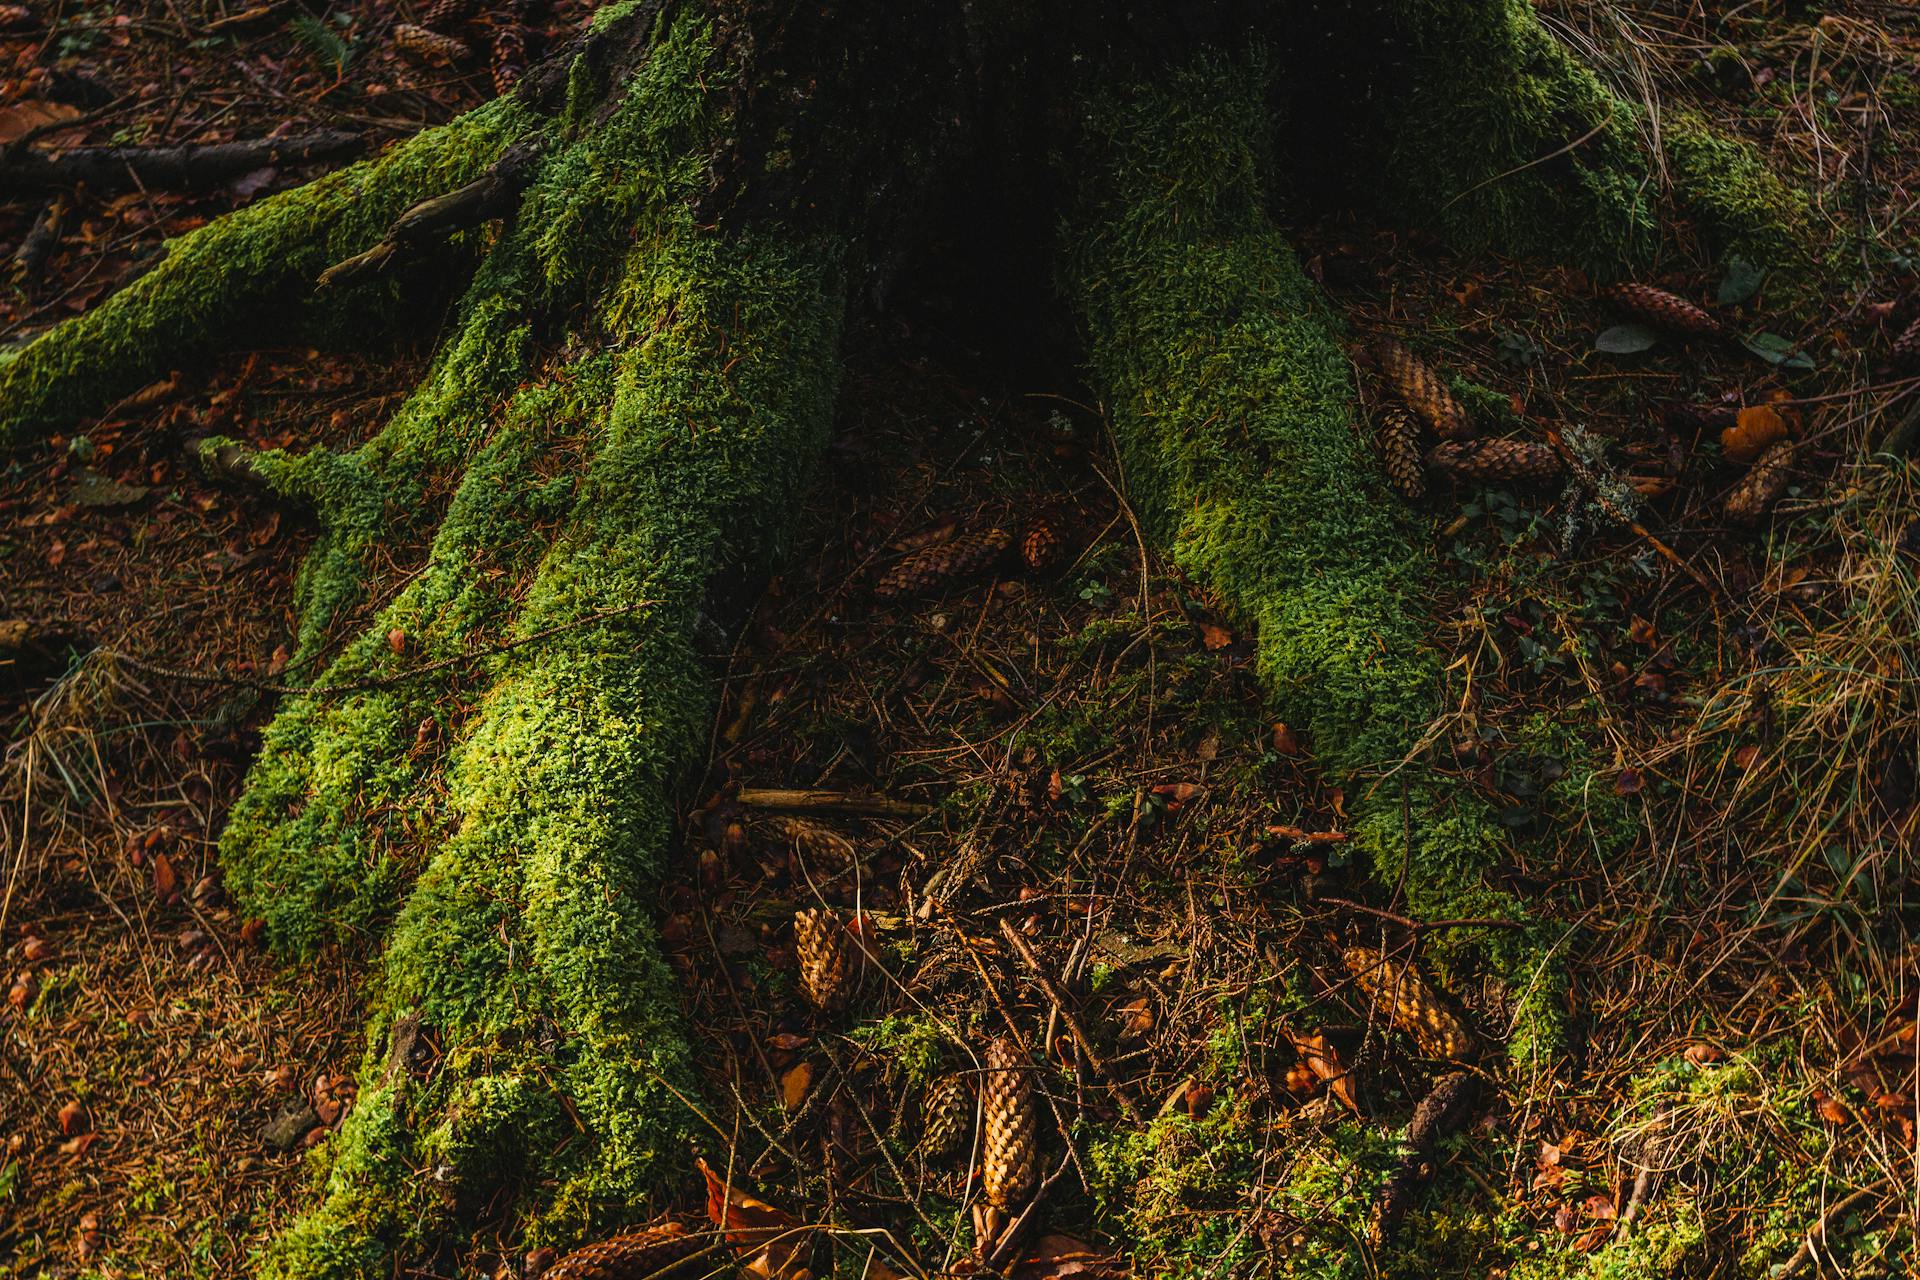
{"points": [[794, 1084], [21, 118], [397, 640], [1701, 1054], [74, 1118], [1284, 741], [166, 881], [1756, 427], [1828, 1107], [1056, 1257], [1324, 1061], [1215, 637], [751, 1223]]}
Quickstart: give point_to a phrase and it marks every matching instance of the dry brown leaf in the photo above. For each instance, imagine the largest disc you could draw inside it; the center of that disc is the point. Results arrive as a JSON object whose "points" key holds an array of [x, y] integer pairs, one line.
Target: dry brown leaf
{"points": [[21, 118], [795, 1081], [755, 1224], [166, 881], [1758, 426], [1056, 1257], [1324, 1061], [1215, 637]]}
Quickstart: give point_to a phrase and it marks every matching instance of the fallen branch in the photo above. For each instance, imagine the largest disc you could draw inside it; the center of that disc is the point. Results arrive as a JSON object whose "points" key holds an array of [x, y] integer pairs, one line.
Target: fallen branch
{"points": [[494, 194], [1080, 1037], [181, 168], [831, 802]]}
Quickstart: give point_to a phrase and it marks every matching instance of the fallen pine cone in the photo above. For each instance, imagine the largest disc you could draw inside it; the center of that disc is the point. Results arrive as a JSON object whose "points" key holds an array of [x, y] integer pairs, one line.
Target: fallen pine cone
{"points": [[924, 570], [632, 1255], [1763, 484], [1906, 347], [1422, 391], [948, 1114], [1399, 439], [1445, 1110], [1496, 461], [509, 51], [833, 853], [1011, 1158], [429, 45], [1663, 310], [1415, 1007], [445, 13], [829, 959], [1042, 548]]}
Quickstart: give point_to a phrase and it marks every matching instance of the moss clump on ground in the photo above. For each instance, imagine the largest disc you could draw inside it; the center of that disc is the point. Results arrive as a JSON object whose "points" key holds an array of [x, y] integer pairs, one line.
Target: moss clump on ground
{"points": [[1742, 205], [1495, 136], [249, 271], [1231, 404]]}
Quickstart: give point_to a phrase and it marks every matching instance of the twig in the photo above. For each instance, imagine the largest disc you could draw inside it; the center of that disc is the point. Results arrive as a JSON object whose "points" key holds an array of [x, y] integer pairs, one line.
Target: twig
{"points": [[1014, 1229], [1817, 1237], [372, 682], [1425, 926], [821, 801], [1100, 1064]]}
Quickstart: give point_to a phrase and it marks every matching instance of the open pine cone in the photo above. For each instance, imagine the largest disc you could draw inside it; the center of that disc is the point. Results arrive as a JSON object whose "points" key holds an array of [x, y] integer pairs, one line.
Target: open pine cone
{"points": [[1412, 1003], [1422, 391], [948, 1113], [922, 571], [829, 958], [1663, 310], [1399, 437]]}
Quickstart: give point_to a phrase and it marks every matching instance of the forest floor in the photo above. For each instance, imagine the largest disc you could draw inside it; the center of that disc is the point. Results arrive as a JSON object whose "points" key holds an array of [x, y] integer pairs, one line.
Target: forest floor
{"points": [[1702, 737]]}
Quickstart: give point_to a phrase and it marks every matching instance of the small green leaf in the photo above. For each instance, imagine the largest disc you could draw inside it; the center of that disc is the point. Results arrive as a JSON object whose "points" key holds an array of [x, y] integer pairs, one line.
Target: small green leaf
{"points": [[1742, 281], [1625, 339], [1775, 349]]}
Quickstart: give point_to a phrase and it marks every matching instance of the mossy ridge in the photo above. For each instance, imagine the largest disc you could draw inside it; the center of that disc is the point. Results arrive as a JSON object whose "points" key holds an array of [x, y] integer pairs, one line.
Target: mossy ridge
{"points": [[529, 923], [242, 274], [1231, 408]]}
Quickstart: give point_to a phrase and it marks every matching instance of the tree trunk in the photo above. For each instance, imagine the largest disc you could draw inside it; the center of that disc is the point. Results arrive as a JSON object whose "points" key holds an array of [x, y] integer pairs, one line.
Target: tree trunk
{"points": [[662, 234]]}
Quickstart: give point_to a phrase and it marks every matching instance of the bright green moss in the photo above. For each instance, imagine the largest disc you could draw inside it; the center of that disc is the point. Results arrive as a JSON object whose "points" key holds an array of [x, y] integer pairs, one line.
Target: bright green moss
{"points": [[1231, 408], [239, 276]]}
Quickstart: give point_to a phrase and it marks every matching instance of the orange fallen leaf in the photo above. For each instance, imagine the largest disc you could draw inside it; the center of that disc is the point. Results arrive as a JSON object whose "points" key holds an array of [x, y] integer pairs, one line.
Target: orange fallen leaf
{"points": [[1215, 637], [754, 1224], [1756, 427], [794, 1084], [1324, 1061], [1056, 1257]]}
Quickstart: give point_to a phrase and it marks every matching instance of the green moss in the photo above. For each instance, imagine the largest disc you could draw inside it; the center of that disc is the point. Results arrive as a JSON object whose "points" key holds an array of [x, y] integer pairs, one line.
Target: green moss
{"points": [[1743, 206], [1231, 409], [240, 276], [1492, 134]]}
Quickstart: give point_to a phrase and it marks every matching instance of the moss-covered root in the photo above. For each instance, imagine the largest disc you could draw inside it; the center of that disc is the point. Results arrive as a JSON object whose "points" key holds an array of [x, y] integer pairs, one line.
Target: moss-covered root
{"points": [[526, 945], [1231, 409], [222, 285]]}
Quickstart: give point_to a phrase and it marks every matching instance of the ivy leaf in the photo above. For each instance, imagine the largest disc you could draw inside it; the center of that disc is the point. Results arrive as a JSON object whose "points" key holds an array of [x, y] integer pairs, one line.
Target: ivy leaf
{"points": [[1625, 339], [1742, 281], [1775, 349]]}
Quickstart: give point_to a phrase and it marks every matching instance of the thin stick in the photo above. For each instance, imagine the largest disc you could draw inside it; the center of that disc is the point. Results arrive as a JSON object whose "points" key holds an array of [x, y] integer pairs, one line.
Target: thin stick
{"points": [[1423, 926], [1100, 1064], [817, 801]]}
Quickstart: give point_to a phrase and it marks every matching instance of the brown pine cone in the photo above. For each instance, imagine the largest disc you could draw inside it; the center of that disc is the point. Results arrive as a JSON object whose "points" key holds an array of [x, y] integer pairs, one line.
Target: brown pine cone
{"points": [[631, 1255], [924, 570], [509, 52], [1012, 1154], [1763, 484], [1906, 347], [829, 958], [827, 852], [1399, 438], [1496, 461], [1422, 391], [430, 46], [947, 1115], [1662, 310], [1042, 547], [1415, 1007], [442, 14]]}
